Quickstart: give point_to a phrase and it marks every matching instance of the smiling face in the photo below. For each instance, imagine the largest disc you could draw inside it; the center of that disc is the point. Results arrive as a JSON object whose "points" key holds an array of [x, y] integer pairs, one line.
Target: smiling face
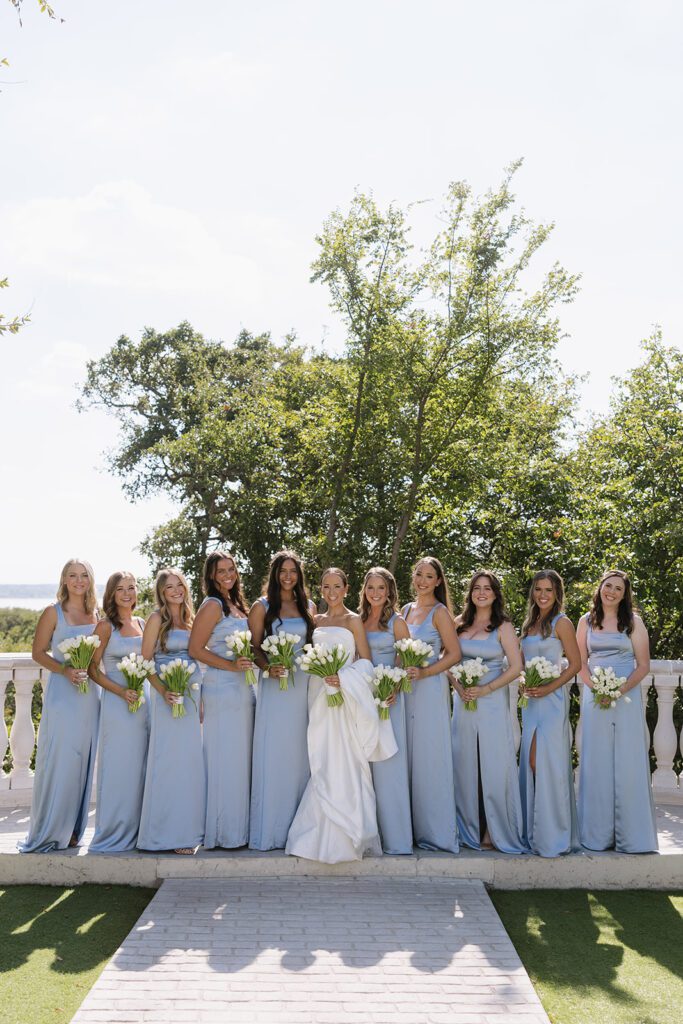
{"points": [[376, 592], [126, 594], [544, 595], [288, 575], [77, 580], [612, 592], [333, 589], [425, 579], [174, 591], [482, 593], [225, 576]]}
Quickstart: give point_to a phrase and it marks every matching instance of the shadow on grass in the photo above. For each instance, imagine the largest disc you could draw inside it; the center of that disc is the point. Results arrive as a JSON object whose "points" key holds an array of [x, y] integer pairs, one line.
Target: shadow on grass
{"points": [[82, 927]]}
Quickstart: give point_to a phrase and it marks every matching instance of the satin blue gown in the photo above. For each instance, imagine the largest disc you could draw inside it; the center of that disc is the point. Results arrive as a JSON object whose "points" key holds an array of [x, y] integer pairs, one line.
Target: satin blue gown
{"points": [[228, 735], [174, 798], [280, 764], [390, 777], [483, 744], [548, 802], [615, 805], [122, 756], [65, 759], [430, 764]]}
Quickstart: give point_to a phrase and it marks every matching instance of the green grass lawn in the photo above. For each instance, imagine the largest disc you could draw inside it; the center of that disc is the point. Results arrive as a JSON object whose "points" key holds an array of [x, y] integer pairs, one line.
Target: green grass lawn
{"points": [[609, 957], [54, 943]]}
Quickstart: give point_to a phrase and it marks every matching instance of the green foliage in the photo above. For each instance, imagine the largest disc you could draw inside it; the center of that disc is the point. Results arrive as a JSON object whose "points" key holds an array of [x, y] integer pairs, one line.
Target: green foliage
{"points": [[17, 626]]}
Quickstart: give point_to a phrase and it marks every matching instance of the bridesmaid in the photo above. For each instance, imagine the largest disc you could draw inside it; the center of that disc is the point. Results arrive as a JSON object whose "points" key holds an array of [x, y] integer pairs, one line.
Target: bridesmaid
{"points": [[384, 625], [546, 778], [123, 737], [616, 809], [67, 738], [484, 758], [174, 799], [430, 764], [228, 704], [280, 763]]}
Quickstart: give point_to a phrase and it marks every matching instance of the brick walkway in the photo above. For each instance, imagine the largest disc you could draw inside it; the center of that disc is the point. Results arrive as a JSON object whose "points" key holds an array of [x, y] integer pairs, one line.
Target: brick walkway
{"points": [[316, 951]]}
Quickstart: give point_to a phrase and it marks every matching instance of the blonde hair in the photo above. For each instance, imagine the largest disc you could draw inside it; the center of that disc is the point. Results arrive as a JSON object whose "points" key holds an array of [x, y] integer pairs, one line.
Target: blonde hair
{"points": [[186, 610], [90, 599], [391, 603]]}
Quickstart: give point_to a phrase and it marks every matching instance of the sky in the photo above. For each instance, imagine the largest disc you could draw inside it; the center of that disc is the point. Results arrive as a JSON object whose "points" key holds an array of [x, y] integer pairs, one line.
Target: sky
{"points": [[169, 161]]}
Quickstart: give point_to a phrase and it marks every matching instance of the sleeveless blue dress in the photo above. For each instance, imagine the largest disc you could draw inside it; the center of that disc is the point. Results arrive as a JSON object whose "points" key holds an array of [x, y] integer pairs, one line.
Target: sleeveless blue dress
{"points": [[390, 777], [548, 802], [174, 798], [615, 802], [228, 734], [280, 766], [483, 745], [65, 759], [430, 764], [121, 757]]}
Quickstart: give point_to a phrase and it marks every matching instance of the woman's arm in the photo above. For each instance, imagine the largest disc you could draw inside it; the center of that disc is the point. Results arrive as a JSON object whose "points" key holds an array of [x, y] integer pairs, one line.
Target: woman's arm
{"points": [[103, 631], [206, 620], [565, 632], [451, 647], [401, 632], [641, 650], [582, 642], [42, 640], [150, 638], [359, 635]]}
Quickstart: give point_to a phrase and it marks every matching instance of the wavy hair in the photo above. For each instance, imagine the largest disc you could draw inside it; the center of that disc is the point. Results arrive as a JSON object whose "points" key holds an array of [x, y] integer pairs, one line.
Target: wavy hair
{"points": [[186, 610], [273, 593], [90, 599], [441, 591], [109, 606], [533, 612], [469, 611], [210, 587], [390, 605], [625, 611]]}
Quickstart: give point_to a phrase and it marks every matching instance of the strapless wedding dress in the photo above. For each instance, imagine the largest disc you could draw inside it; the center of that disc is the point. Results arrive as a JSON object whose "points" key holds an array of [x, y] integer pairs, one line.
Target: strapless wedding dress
{"points": [[337, 817]]}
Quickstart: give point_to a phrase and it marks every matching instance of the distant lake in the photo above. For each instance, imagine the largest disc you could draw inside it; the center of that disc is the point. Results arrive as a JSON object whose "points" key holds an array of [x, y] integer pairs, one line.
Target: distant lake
{"points": [[35, 596], [35, 603]]}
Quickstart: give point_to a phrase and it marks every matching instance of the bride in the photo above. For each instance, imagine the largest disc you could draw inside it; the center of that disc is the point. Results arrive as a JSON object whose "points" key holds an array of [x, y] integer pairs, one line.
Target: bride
{"points": [[337, 819]]}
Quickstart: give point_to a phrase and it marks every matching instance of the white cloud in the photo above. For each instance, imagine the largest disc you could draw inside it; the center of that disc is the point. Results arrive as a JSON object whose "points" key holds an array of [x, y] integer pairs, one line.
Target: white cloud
{"points": [[118, 235]]}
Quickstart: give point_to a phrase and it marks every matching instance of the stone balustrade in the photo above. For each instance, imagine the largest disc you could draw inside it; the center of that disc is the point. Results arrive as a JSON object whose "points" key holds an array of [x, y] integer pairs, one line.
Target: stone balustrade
{"points": [[22, 673]]}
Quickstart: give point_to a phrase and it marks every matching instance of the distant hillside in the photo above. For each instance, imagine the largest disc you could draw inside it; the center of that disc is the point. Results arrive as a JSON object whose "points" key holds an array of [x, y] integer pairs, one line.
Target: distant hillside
{"points": [[47, 590]]}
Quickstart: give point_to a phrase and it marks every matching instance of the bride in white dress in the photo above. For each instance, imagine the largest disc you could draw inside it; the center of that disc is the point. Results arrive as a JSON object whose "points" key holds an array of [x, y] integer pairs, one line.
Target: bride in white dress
{"points": [[337, 818]]}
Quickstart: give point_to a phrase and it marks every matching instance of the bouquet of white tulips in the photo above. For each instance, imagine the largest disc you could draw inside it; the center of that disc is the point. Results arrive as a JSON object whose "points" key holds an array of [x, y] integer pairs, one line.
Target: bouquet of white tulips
{"points": [[279, 650], [78, 652], [387, 682], [239, 643], [135, 669], [321, 660], [413, 654], [607, 687], [176, 675], [537, 671], [468, 673]]}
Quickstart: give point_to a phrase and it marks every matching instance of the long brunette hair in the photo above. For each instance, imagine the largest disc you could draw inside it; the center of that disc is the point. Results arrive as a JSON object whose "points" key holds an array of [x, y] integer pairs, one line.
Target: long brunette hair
{"points": [[391, 603], [469, 611], [625, 611], [533, 612], [186, 611], [441, 591], [210, 587], [273, 593], [109, 606]]}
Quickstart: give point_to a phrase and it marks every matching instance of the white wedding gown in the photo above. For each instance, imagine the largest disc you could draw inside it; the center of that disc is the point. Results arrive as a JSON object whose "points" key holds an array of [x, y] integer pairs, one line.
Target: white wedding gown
{"points": [[337, 818]]}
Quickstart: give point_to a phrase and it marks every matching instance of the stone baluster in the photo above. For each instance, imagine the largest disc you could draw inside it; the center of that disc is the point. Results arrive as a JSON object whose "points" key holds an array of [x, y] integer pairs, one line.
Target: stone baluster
{"points": [[664, 780], [22, 736], [513, 695], [5, 678]]}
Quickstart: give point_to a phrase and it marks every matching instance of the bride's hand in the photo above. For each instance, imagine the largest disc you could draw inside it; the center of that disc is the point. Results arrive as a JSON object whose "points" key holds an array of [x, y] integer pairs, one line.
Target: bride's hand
{"points": [[333, 681]]}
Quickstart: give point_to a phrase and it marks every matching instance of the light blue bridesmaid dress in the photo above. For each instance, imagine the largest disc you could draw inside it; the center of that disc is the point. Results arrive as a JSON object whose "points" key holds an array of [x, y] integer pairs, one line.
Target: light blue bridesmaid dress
{"points": [[390, 777], [483, 744], [615, 803], [430, 765], [122, 755], [548, 802], [280, 765], [228, 735], [174, 799], [65, 759]]}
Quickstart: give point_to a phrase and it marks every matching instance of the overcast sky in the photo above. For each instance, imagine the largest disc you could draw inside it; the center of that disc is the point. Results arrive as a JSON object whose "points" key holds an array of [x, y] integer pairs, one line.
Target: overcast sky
{"points": [[167, 160]]}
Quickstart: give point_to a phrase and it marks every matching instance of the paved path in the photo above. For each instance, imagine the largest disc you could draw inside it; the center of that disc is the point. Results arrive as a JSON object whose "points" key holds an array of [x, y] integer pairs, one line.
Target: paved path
{"points": [[316, 951]]}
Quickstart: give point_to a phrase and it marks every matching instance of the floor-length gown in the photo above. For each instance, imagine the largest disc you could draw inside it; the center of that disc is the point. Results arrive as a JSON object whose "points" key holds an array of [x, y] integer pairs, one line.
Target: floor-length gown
{"points": [[121, 755], [484, 759], [390, 777], [227, 738], [65, 759], [337, 820], [430, 762], [548, 801], [615, 804], [174, 799], [280, 769]]}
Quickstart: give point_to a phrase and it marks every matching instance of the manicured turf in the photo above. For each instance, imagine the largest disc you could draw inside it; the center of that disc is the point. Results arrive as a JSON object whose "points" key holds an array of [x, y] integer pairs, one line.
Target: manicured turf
{"points": [[54, 943], [606, 957]]}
